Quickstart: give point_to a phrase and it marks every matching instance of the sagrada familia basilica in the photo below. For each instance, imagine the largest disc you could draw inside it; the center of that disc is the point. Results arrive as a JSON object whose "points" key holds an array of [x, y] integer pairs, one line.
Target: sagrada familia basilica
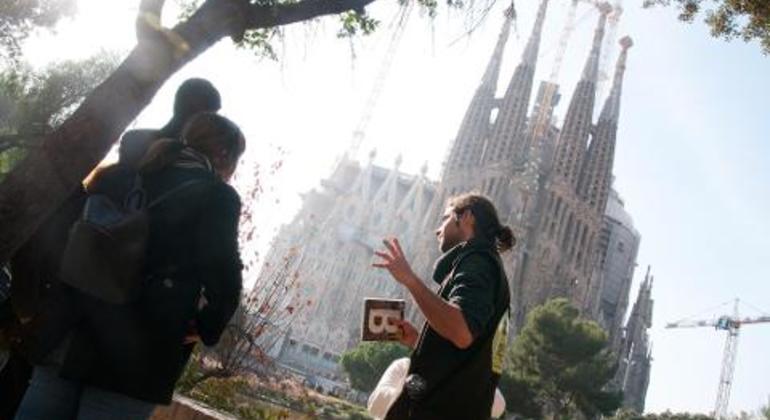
{"points": [[551, 182]]}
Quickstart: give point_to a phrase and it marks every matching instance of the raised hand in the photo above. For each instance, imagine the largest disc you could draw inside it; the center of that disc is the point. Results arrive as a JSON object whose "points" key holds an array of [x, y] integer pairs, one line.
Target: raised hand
{"points": [[394, 261], [407, 332]]}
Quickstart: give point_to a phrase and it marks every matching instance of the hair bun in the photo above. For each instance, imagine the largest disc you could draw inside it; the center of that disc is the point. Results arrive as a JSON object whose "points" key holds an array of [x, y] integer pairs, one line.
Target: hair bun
{"points": [[505, 238]]}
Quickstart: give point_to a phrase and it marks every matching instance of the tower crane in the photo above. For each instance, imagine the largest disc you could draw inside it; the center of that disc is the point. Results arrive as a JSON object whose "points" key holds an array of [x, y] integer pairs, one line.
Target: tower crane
{"points": [[379, 80], [732, 324]]}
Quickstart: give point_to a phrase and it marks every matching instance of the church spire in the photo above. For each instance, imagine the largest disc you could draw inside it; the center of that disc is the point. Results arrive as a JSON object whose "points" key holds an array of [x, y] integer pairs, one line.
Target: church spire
{"points": [[611, 108], [492, 72], [577, 123], [533, 45], [597, 173], [591, 69], [467, 147], [508, 134]]}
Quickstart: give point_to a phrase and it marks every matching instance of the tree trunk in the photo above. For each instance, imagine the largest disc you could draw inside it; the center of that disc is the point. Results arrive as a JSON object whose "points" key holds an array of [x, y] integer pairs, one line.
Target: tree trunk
{"points": [[50, 173]]}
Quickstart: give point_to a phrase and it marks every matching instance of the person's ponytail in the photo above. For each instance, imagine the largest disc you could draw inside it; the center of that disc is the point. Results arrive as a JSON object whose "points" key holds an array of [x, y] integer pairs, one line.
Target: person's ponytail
{"points": [[488, 226], [504, 239]]}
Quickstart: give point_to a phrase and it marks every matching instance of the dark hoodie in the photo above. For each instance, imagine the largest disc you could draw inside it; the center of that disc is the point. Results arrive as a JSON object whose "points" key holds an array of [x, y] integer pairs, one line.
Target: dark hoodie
{"points": [[460, 382]]}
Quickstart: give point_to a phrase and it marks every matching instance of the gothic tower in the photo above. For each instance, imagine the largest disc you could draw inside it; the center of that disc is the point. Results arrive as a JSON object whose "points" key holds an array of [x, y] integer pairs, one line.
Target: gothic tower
{"points": [[635, 357], [468, 145], [504, 145], [562, 251], [551, 184], [596, 177]]}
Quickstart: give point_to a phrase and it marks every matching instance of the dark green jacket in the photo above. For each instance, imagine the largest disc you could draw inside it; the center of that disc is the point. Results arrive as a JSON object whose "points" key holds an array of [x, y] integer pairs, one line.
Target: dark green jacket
{"points": [[461, 382]]}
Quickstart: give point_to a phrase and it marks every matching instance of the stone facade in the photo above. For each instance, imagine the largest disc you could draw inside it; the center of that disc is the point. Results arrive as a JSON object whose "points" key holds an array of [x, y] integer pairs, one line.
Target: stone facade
{"points": [[636, 350], [618, 245], [551, 184]]}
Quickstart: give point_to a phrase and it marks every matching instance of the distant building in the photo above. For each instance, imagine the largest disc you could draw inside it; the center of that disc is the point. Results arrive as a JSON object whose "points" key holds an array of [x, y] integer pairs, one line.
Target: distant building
{"points": [[551, 183], [636, 350], [329, 246], [618, 246]]}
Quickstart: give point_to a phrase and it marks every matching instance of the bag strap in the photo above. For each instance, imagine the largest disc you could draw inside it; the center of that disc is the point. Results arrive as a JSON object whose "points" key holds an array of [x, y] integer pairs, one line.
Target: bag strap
{"points": [[136, 198], [166, 195]]}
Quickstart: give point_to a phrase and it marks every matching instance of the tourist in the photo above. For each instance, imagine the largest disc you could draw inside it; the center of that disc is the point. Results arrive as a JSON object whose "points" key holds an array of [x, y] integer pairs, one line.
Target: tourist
{"points": [[120, 361], [458, 356], [193, 96]]}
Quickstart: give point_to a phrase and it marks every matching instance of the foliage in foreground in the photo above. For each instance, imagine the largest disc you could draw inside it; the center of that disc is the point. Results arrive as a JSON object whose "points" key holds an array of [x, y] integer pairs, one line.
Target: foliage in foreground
{"points": [[18, 19], [728, 19], [667, 415], [34, 102], [560, 364], [365, 363], [251, 399]]}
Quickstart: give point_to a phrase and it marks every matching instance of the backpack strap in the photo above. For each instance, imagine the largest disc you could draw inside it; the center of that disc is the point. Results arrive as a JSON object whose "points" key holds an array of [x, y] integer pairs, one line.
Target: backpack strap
{"points": [[136, 199], [166, 195]]}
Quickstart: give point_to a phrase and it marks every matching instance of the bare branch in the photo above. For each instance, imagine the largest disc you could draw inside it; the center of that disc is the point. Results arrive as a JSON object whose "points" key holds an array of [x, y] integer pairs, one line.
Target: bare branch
{"points": [[148, 19]]}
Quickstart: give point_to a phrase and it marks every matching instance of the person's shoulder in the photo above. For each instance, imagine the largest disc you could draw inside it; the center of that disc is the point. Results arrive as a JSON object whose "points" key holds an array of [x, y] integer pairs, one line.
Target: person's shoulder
{"points": [[108, 178], [211, 184], [140, 133], [219, 193], [227, 192], [478, 259], [134, 143], [137, 138]]}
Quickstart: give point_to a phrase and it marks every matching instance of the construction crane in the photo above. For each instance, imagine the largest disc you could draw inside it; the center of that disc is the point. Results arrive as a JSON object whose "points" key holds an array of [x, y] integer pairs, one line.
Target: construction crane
{"points": [[732, 324], [382, 75]]}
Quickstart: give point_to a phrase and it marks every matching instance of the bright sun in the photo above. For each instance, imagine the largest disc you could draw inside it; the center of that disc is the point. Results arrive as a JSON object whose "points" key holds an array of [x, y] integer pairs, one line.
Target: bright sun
{"points": [[98, 25]]}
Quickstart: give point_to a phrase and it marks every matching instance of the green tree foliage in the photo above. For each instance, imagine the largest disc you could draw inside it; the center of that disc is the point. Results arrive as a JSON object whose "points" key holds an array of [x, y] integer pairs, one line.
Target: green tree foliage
{"points": [[366, 363], [20, 17], [34, 102], [565, 361], [520, 396], [39, 100], [728, 19], [764, 411], [667, 415]]}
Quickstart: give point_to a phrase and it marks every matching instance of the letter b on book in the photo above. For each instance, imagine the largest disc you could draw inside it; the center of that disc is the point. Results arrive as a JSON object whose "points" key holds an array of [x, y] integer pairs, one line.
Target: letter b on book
{"points": [[379, 315]]}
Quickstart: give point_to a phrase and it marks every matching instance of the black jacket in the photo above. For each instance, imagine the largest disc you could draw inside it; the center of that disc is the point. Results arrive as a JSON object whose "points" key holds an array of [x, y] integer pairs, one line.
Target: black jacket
{"points": [[138, 349], [460, 382]]}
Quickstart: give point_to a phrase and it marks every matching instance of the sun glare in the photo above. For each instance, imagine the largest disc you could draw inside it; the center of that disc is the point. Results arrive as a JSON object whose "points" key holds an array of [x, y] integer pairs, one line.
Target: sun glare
{"points": [[97, 25]]}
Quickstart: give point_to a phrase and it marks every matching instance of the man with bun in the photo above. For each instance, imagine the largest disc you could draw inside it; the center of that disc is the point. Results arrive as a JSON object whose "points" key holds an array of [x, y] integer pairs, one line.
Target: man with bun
{"points": [[458, 355]]}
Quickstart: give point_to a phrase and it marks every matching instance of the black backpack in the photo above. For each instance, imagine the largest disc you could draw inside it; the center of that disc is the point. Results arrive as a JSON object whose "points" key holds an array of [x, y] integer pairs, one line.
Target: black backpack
{"points": [[107, 245]]}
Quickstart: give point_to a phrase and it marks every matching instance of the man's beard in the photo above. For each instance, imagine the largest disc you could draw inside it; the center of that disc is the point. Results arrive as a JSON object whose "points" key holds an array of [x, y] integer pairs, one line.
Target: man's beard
{"points": [[447, 243]]}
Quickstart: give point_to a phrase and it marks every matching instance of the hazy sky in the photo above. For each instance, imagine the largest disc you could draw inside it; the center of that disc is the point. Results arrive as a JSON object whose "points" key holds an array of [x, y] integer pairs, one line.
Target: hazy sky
{"points": [[691, 162]]}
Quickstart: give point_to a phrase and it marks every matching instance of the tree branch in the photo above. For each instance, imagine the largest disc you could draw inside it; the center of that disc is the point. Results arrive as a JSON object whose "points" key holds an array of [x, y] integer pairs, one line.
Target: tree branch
{"points": [[48, 174], [148, 18], [284, 14]]}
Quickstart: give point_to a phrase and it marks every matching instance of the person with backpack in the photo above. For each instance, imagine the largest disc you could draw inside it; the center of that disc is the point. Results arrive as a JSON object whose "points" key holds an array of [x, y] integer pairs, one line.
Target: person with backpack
{"points": [[457, 358], [127, 346], [194, 95], [37, 262]]}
